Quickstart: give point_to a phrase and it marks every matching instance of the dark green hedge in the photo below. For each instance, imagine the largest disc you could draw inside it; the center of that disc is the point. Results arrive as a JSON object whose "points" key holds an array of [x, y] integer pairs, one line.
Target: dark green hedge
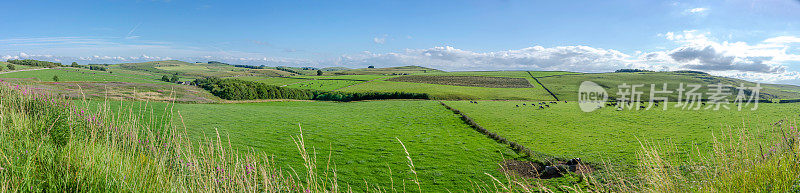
{"points": [[234, 89], [35, 63]]}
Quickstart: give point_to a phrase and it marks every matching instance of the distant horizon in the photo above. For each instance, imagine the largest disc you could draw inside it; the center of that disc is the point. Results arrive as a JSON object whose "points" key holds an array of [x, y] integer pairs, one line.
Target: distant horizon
{"points": [[754, 41]]}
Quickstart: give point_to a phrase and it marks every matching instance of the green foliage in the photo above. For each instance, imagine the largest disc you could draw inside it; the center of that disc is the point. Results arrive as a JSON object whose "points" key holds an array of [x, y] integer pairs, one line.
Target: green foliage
{"points": [[75, 65], [234, 89], [319, 72], [97, 68], [11, 67], [165, 78], [38, 63], [55, 78], [286, 69], [174, 78]]}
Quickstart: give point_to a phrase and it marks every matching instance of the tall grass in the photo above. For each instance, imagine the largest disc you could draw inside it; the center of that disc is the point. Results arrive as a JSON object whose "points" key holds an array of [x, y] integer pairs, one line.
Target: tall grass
{"points": [[49, 144], [741, 160]]}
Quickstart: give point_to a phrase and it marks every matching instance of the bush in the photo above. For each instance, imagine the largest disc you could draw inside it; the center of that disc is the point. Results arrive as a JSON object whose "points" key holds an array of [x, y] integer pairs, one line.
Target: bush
{"points": [[97, 68], [45, 64]]}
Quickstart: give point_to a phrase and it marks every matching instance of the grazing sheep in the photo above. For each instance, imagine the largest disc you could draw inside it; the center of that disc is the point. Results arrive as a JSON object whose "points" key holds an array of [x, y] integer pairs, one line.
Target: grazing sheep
{"points": [[517, 105], [547, 106]]}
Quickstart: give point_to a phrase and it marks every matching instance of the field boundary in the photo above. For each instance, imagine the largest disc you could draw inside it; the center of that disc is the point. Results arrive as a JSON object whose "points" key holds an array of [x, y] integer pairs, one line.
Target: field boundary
{"points": [[540, 84], [520, 149]]}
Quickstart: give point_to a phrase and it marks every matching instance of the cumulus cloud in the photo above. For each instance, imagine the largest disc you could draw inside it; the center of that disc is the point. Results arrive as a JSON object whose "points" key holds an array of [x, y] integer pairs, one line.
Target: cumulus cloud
{"points": [[764, 61], [537, 57]]}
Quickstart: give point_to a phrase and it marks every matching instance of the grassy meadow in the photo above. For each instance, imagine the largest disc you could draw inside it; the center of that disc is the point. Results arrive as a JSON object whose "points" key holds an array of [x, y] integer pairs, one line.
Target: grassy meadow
{"points": [[78, 75], [360, 138], [454, 92], [608, 135], [566, 86], [127, 131]]}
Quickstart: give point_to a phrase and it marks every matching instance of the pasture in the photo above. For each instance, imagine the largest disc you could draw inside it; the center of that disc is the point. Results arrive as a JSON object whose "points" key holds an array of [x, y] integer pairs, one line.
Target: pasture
{"points": [[385, 71], [566, 86], [510, 74], [470, 81], [563, 130], [359, 136], [75, 75], [453, 92]]}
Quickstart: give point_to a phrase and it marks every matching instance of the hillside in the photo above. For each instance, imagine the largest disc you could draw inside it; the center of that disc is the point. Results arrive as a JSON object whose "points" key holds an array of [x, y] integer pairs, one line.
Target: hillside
{"points": [[184, 69], [566, 86], [385, 71]]}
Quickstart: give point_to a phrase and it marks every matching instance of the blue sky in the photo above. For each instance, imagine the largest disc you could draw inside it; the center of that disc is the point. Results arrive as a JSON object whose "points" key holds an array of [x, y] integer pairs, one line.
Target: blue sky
{"points": [[755, 40]]}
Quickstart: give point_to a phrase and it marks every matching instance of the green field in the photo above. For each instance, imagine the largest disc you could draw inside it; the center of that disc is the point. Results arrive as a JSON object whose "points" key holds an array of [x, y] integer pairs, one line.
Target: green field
{"points": [[304, 83], [510, 74], [183, 69], [606, 134], [74, 74], [454, 92], [361, 138], [385, 71], [566, 86]]}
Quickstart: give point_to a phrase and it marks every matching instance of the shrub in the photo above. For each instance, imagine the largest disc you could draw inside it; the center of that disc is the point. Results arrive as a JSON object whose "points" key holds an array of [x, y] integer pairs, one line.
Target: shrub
{"points": [[38, 63]]}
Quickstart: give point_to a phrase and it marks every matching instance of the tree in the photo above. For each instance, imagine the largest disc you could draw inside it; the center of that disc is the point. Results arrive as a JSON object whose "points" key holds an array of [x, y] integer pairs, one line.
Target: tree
{"points": [[1, 68], [174, 78], [165, 78], [371, 67], [55, 78], [319, 72], [11, 67], [75, 65]]}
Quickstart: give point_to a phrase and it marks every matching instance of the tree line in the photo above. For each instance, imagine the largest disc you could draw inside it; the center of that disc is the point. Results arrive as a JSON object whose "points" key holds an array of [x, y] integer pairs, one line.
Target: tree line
{"points": [[234, 89], [29, 62]]}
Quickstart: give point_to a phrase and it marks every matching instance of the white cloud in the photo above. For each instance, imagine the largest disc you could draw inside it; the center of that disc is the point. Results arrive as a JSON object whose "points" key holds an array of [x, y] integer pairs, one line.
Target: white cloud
{"points": [[783, 40], [537, 57], [764, 61], [379, 40], [698, 10]]}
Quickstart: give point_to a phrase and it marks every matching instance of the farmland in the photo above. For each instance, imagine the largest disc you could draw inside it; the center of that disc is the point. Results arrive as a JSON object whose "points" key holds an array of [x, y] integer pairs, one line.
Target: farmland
{"points": [[566, 86], [82, 75], [360, 136], [471, 81], [510, 74], [454, 92], [563, 130]]}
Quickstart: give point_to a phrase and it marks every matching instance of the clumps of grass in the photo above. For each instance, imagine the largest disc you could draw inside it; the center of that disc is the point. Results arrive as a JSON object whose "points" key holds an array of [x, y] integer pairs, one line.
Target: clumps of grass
{"points": [[48, 144], [518, 148], [741, 160]]}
